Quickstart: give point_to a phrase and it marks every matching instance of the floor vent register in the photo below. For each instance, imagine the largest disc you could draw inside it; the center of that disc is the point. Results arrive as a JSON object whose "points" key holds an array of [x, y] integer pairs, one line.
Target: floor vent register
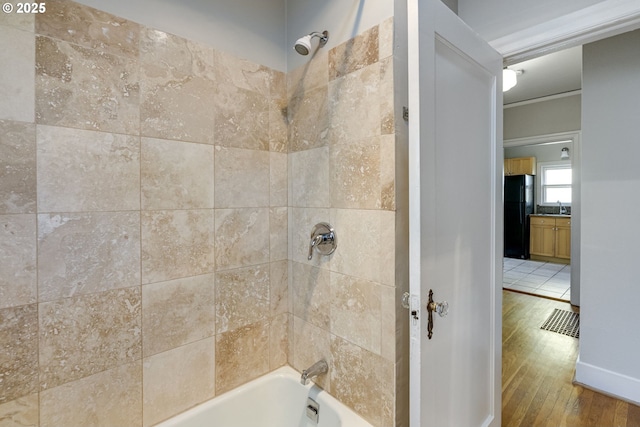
{"points": [[563, 322]]}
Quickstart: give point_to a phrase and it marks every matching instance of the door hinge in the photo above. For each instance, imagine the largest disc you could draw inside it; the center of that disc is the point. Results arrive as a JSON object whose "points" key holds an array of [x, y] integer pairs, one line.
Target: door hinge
{"points": [[405, 113]]}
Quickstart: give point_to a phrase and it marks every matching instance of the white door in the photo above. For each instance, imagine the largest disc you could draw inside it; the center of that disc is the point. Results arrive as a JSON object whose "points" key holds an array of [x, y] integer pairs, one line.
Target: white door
{"points": [[455, 177]]}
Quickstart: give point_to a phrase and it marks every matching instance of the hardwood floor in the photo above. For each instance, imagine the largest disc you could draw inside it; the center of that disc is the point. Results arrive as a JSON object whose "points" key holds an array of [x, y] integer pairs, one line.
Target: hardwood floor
{"points": [[537, 373]]}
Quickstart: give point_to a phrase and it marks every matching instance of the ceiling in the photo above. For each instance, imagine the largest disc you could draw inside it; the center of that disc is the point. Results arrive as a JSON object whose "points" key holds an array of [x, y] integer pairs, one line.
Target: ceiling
{"points": [[558, 72]]}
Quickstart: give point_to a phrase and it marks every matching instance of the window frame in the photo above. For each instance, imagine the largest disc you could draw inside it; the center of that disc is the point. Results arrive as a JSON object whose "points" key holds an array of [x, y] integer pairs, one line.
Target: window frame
{"points": [[564, 164]]}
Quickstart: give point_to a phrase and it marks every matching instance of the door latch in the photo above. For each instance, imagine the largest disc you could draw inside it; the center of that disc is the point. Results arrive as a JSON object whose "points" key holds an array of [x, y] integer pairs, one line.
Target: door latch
{"points": [[442, 308]]}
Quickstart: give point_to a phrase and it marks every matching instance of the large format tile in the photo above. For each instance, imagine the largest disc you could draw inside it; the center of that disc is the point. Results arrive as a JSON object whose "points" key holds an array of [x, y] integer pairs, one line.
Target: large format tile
{"points": [[80, 170], [109, 398], [363, 381], [366, 244], [23, 412], [242, 297], [241, 355], [244, 74], [356, 311], [310, 186], [19, 355], [314, 73], [279, 341], [17, 167], [84, 335], [354, 54], [92, 28], [278, 233], [354, 105], [311, 294], [355, 174], [242, 237], [309, 119], [18, 268], [242, 178], [310, 344], [17, 88], [278, 179], [176, 175], [300, 226], [177, 88], [241, 118], [84, 253], [176, 244], [178, 379], [86, 88], [177, 312]]}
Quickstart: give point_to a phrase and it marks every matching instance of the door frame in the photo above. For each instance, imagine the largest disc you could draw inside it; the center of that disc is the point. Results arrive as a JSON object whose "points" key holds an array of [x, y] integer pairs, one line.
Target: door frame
{"points": [[576, 159]]}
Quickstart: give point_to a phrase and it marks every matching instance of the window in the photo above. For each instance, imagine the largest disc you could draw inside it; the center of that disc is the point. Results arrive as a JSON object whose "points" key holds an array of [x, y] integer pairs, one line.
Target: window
{"points": [[555, 183]]}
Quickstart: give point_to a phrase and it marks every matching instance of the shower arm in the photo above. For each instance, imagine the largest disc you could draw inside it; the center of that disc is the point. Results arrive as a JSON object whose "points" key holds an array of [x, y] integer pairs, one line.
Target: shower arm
{"points": [[323, 36]]}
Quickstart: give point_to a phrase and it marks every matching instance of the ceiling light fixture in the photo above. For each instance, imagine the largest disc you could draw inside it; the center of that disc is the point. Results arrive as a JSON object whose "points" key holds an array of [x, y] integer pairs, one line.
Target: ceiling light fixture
{"points": [[509, 78]]}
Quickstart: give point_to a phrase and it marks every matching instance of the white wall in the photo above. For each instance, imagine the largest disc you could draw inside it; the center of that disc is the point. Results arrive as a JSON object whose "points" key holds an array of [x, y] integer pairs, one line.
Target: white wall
{"points": [[543, 118], [542, 153], [343, 19], [609, 345], [250, 29], [496, 18]]}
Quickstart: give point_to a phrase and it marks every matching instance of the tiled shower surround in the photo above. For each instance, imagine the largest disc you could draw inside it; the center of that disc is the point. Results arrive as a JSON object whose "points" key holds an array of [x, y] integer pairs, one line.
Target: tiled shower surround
{"points": [[156, 200]]}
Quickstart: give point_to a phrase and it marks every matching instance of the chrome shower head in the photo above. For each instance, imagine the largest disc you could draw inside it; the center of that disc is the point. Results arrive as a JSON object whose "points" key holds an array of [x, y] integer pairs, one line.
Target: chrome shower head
{"points": [[303, 44]]}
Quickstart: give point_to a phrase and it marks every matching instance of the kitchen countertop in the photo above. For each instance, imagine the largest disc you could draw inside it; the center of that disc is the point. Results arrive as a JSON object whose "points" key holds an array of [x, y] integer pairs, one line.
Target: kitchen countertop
{"points": [[553, 215]]}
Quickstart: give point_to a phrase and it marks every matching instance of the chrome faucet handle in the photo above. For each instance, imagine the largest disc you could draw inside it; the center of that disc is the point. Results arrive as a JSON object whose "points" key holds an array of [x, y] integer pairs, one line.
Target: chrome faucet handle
{"points": [[323, 240]]}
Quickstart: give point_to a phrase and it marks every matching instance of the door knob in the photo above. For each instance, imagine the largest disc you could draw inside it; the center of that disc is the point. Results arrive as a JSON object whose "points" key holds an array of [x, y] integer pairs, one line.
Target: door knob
{"points": [[442, 308]]}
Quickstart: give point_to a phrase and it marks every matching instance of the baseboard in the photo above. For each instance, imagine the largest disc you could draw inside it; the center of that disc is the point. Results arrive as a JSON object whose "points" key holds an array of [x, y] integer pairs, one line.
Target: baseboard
{"points": [[608, 382]]}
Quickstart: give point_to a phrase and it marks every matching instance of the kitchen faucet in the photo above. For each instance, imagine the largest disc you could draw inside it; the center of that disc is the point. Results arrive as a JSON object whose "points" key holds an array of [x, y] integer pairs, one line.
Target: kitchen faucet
{"points": [[562, 209]]}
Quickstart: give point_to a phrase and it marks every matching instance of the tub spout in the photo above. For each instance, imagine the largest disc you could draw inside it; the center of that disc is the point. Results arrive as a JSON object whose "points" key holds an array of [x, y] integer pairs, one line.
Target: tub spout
{"points": [[318, 368]]}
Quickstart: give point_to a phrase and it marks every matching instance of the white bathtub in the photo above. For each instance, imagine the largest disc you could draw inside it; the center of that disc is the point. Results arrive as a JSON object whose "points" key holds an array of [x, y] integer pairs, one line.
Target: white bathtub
{"points": [[274, 400]]}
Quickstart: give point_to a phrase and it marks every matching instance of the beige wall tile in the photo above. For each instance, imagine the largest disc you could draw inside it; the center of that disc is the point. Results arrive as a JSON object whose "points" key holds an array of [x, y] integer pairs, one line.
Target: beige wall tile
{"points": [[18, 268], [356, 311], [311, 344], [88, 27], [177, 312], [279, 287], [178, 379], [84, 253], [84, 335], [21, 21], [309, 119], [176, 244], [19, 355], [241, 118], [279, 341], [278, 219], [300, 226], [313, 74], [385, 38], [177, 88], [80, 170], [109, 398], [278, 179], [354, 105], [242, 297], [278, 125], [241, 355], [388, 298], [243, 74], [354, 54], [388, 172], [387, 101], [242, 178], [366, 246], [23, 412], [310, 178], [242, 237], [311, 294], [176, 175], [355, 174], [363, 381], [86, 88], [17, 88], [17, 167]]}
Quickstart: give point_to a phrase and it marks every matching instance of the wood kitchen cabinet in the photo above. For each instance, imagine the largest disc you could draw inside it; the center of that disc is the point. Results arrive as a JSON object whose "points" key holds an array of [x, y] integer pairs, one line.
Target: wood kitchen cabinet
{"points": [[520, 166], [550, 238]]}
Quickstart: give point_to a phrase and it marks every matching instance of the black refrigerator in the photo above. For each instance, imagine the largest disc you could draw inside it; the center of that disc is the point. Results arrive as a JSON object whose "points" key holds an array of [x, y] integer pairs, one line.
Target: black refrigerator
{"points": [[518, 205]]}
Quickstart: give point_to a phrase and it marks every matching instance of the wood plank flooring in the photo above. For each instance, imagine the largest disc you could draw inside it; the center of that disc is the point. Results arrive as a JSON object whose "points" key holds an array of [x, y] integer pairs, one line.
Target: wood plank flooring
{"points": [[537, 373]]}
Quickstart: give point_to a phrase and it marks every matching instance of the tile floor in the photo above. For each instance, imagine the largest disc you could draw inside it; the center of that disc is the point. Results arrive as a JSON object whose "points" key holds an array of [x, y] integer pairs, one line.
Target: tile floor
{"points": [[538, 278]]}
